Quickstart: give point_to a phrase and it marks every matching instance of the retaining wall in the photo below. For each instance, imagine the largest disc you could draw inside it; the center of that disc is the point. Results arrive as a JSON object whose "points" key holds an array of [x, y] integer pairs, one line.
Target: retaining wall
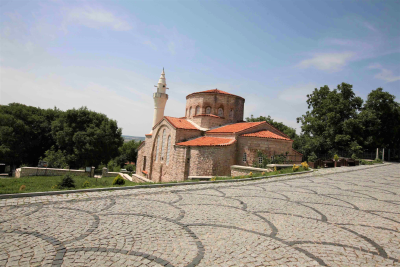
{"points": [[36, 171]]}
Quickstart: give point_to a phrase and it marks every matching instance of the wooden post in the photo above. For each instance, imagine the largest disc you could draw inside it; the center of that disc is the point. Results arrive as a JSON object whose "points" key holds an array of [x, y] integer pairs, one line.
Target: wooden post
{"points": [[377, 153], [383, 155]]}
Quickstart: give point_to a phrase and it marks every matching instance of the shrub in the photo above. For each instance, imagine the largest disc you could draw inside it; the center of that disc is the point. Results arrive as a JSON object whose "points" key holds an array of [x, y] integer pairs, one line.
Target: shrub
{"points": [[336, 157], [263, 173], [85, 184], [67, 182], [22, 188], [130, 167], [295, 168], [119, 180], [213, 179], [312, 157], [251, 174], [305, 165], [378, 161], [275, 169]]}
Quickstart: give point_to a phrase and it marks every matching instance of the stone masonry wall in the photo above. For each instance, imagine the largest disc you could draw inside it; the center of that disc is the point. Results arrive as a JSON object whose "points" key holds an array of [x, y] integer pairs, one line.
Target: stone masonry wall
{"points": [[211, 161], [216, 101], [251, 145], [35, 171], [244, 170]]}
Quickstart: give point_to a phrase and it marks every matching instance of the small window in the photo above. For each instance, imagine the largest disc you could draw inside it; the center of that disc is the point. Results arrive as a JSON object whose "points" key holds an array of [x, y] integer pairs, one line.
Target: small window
{"points": [[190, 112], [197, 110], [144, 163], [220, 112], [208, 110], [231, 114], [260, 160], [244, 157]]}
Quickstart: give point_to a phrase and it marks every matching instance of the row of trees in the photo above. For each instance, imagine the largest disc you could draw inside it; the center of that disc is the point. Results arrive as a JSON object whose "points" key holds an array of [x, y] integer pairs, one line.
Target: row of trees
{"points": [[74, 138], [338, 120]]}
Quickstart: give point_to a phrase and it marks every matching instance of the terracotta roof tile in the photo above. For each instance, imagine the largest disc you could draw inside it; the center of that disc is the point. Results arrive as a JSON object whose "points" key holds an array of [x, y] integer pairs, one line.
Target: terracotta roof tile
{"points": [[265, 134], [208, 141], [178, 123], [213, 91], [236, 127]]}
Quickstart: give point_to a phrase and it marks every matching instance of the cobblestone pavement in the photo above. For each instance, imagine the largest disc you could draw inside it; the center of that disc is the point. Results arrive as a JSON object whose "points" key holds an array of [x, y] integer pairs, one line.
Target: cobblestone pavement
{"points": [[336, 217]]}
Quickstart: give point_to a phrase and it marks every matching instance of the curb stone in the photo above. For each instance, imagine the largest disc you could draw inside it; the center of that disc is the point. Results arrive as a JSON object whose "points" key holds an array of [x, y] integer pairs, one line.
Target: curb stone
{"points": [[49, 193]]}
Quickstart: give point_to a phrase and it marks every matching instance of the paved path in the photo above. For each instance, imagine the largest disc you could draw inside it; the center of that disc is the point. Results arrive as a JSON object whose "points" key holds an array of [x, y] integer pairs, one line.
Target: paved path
{"points": [[336, 217]]}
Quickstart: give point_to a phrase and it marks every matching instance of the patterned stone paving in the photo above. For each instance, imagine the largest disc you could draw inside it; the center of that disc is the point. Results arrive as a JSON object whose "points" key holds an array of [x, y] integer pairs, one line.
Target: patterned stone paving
{"points": [[333, 217]]}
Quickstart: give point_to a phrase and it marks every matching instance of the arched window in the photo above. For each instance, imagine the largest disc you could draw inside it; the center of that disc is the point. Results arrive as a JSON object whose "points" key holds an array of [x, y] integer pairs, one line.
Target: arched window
{"points": [[197, 110], [162, 144], [220, 112], [168, 148], [208, 110], [190, 112], [157, 146], [231, 114], [244, 157]]}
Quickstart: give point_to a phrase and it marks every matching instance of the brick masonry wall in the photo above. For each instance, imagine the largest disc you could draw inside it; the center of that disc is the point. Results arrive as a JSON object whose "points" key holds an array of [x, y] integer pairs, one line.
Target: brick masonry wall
{"points": [[216, 101], [208, 122], [211, 161], [35, 171], [251, 145], [159, 170]]}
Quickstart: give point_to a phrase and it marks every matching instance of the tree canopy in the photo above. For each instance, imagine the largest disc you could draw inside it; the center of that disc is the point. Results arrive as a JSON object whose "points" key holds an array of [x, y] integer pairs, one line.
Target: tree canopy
{"points": [[78, 137], [87, 137]]}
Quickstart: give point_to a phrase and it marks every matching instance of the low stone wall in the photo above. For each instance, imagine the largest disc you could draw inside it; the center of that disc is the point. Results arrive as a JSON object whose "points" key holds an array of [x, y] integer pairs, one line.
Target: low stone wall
{"points": [[36, 171], [238, 170], [105, 173]]}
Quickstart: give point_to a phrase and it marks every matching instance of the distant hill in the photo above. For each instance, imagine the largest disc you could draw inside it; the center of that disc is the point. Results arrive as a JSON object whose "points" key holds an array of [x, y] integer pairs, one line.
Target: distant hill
{"points": [[128, 138]]}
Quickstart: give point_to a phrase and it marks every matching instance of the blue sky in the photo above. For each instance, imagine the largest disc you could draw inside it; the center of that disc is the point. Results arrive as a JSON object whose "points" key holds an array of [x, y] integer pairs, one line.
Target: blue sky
{"points": [[108, 55]]}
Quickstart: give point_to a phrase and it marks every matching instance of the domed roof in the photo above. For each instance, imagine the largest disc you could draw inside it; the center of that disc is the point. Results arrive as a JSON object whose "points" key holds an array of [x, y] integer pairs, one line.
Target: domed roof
{"points": [[213, 91]]}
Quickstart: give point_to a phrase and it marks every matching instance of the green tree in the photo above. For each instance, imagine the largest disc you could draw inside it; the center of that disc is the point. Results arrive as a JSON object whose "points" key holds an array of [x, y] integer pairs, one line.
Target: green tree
{"points": [[87, 137], [332, 124], [55, 159], [128, 149], [25, 133], [381, 120]]}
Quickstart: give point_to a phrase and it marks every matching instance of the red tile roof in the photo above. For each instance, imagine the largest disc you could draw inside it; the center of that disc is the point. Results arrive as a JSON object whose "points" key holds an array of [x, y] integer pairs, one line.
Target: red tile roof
{"points": [[236, 127], [208, 141], [148, 134], [145, 172], [295, 151], [213, 91], [208, 115], [181, 123], [265, 134]]}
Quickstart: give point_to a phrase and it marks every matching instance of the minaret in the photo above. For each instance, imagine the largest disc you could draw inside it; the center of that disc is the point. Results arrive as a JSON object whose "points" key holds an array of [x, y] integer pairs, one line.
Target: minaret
{"points": [[160, 99]]}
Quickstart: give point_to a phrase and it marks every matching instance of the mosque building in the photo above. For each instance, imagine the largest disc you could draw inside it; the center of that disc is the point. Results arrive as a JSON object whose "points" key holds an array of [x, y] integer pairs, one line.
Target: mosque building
{"points": [[207, 141]]}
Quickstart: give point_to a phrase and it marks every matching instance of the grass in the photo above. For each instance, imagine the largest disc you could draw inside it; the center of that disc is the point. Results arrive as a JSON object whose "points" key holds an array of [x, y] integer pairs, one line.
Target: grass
{"points": [[47, 183], [259, 174], [364, 162]]}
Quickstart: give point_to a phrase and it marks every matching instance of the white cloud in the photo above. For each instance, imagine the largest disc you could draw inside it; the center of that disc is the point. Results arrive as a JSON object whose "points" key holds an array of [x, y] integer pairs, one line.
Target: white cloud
{"points": [[97, 18], [369, 26], [385, 74], [150, 44], [297, 94], [327, 61]]}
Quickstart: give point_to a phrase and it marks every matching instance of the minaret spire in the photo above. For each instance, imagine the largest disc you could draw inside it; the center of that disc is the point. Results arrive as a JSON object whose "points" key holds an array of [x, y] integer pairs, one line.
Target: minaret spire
{"points": [[160, 99]]}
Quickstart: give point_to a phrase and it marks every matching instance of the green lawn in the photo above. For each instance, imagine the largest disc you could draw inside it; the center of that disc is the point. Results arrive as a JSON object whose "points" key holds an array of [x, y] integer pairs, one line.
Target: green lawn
{"points": [[45, 183], [259, 174], [48, 183]]}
